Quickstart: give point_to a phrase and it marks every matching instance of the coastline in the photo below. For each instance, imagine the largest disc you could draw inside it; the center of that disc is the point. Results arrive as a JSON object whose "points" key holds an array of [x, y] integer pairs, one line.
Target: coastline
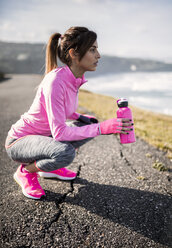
{"points": [[154, 128]]}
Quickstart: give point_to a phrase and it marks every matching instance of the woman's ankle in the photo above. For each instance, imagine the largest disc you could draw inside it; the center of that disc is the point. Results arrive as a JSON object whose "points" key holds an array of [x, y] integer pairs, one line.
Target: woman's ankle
{"points": [[31, 168]]}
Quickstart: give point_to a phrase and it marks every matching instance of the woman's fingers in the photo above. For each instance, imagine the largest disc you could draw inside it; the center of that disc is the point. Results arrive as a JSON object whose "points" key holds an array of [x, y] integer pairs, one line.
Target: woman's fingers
{"points": [[124, 132], [126, 129], [126, 120], [127, 124], [123, 119]]}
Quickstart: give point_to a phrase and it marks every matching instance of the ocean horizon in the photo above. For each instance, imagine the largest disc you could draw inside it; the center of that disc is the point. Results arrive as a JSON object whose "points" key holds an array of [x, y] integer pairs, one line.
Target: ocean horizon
{"points": [[149, 91]]}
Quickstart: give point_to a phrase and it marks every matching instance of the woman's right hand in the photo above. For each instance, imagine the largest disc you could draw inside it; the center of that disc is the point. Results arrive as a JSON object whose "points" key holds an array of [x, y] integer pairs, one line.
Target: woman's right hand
{"points": [[116, 125]]}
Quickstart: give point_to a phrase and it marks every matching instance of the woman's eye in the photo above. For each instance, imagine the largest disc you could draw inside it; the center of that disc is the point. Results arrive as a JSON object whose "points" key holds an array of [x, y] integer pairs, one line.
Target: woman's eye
{"points": [[92, 50]]}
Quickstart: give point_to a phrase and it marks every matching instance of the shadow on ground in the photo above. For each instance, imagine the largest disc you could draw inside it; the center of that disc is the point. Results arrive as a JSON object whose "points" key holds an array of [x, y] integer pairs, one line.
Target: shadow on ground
{"points": [[141, 211]]}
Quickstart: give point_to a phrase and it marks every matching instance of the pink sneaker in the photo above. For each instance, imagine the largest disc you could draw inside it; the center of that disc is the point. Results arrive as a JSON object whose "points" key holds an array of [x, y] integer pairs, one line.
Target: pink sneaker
{"points": [[29, 183], [62, 173]]}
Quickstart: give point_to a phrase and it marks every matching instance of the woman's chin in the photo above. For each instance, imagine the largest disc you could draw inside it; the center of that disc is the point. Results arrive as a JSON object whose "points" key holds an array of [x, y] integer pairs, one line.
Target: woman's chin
{"points": [[93, 68]]}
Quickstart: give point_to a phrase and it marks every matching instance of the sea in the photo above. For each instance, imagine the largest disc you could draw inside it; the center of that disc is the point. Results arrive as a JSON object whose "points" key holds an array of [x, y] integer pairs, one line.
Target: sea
{"points": [[149, 91]]}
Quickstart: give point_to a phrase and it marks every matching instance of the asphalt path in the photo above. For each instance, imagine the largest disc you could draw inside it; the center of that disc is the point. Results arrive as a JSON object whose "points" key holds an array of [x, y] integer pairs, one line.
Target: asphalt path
{"points": [[118, 199]]}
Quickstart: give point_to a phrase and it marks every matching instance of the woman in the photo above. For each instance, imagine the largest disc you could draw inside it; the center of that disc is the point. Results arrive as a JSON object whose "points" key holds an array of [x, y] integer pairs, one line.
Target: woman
{"points": [[42, 141]]}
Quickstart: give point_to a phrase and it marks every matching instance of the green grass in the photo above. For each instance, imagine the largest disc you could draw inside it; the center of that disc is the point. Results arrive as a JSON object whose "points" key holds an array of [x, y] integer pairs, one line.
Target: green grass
{"points": [[154, 128]]}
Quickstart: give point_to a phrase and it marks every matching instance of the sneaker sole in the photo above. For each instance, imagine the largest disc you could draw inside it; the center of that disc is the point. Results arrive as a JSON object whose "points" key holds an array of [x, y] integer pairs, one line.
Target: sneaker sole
{"points": [[23, 190], [52, 175]]}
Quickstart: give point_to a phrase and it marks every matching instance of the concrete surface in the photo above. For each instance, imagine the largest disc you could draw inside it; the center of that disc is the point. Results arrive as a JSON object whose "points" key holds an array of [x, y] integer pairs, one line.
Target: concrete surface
{"points": [[106, 206]]}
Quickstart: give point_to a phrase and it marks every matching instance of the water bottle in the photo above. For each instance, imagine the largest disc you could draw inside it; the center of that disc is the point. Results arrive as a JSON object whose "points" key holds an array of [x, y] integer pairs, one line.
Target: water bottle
{"points": [[125, 112]]}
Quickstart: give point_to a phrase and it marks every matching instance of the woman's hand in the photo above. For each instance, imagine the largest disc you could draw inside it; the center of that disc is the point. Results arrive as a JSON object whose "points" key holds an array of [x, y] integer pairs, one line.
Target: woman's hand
{"points": [[116, 125], [88, 119]]}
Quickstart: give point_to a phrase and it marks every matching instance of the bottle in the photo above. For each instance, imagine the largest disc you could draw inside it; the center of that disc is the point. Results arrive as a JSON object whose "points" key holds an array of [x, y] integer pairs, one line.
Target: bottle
{"points": [[125, 112]]}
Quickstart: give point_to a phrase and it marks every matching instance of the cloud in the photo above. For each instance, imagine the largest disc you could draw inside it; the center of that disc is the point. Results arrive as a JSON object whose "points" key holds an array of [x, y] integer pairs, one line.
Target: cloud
{"points": [[126, 28]]}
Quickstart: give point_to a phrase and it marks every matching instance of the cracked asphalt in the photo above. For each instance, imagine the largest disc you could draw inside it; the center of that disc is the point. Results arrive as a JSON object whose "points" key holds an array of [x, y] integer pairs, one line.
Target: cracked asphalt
{"points": [[105, 206]]}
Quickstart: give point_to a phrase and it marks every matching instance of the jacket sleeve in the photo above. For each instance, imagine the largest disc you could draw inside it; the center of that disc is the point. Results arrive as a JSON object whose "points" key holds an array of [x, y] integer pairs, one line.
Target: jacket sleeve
{"points": [[55, 108], [74, 116]]}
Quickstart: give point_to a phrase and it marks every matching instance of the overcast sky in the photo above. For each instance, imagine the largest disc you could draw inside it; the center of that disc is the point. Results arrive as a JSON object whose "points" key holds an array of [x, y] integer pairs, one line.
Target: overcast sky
{"points": [[127, 28]]}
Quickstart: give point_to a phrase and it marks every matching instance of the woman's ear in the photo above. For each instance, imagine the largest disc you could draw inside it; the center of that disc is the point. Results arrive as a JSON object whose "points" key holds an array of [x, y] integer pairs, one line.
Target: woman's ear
{"points": [[72, 53]]}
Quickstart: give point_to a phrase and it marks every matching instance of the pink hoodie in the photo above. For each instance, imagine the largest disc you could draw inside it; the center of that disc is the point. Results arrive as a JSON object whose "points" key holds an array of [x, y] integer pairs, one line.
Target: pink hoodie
{"points": [[55, 102]]}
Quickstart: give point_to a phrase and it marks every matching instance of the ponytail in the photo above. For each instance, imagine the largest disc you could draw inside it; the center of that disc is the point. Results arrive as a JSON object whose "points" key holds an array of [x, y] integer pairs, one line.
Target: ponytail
{"points": [[51, 52]]}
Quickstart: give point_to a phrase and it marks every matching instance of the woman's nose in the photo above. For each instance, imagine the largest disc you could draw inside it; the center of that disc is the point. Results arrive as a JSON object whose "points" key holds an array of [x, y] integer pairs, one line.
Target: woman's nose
{"points": [[98, 55]]}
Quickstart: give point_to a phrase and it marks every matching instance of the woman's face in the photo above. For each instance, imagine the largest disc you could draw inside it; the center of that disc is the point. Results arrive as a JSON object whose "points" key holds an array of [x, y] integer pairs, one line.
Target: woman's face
{"points": [[90, 60]]}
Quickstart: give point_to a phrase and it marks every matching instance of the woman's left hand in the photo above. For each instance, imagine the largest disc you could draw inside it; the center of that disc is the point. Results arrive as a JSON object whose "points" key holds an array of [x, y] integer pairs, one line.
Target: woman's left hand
{"points": [[88, 119]]}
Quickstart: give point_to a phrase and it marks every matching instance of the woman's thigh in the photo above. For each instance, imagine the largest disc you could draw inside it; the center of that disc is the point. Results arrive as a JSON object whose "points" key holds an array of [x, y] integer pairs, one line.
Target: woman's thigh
{"points": [[37, 147]]}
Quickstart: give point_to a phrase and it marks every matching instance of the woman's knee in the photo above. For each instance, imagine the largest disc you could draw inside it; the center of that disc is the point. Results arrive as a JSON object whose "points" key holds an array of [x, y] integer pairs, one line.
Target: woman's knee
{"points": [[65, 154], [69, 153]]}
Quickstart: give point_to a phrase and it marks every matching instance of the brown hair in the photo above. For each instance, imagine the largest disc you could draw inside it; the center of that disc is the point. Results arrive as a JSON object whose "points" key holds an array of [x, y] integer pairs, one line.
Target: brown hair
{"points": [[78, 38]]}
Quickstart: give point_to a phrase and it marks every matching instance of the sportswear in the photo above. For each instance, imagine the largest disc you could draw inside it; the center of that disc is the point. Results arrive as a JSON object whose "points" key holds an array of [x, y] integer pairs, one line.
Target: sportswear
{"points": [[56, 101], [110, 126], [29, 183], [62, 173]]}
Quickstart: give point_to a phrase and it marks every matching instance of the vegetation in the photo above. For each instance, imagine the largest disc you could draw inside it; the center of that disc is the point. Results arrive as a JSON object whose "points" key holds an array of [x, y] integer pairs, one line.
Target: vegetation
{"points": [[159, 166], [156, 129]]}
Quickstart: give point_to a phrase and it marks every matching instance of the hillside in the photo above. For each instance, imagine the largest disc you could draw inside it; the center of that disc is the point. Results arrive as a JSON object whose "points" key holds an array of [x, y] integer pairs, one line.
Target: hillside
{"points": [[30, 58]]}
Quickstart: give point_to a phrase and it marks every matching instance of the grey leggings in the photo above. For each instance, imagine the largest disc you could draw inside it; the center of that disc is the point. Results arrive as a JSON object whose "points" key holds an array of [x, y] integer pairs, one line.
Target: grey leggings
{"points": [[47, 153]]}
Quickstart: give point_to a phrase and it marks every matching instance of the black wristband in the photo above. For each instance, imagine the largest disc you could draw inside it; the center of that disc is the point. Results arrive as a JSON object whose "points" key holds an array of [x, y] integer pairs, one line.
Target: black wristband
{"points": [[84, 119], [87, 120]]}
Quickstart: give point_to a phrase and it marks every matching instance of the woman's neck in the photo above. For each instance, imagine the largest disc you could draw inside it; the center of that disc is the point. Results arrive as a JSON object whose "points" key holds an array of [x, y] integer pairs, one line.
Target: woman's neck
{"points": [[77, 72]]}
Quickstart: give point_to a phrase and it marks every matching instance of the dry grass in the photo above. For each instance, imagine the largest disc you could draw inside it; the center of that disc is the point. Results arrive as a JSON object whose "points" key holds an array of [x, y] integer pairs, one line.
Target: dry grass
{"points": [[156, 129]]}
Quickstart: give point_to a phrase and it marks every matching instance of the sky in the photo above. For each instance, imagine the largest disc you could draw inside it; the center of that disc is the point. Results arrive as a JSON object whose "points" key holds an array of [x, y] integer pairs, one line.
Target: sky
{"points": [[126, 28]]}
